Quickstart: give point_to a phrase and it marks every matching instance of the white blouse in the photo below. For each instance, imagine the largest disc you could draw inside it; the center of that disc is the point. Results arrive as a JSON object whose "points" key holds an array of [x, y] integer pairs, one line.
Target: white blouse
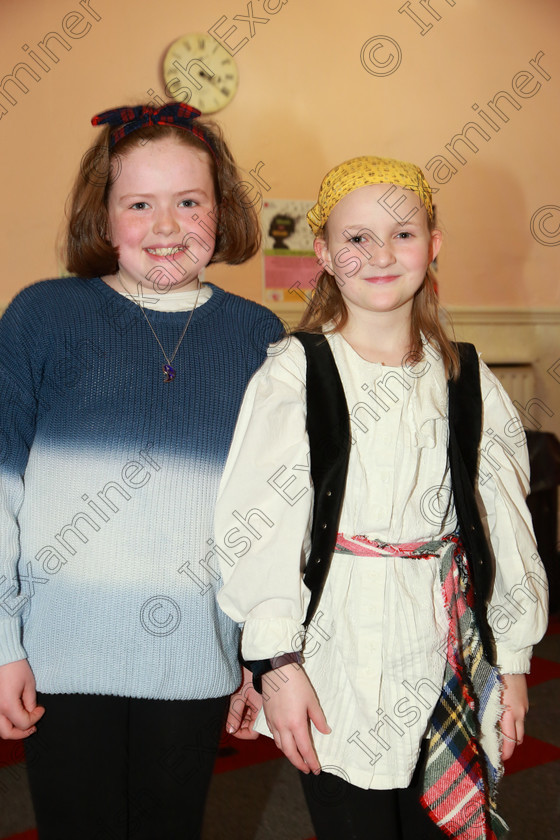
{"points": [[375, 649]]}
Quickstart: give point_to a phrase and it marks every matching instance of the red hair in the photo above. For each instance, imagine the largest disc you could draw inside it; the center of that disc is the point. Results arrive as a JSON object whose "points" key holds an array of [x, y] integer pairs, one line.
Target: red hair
{"points": [[86, 249]]}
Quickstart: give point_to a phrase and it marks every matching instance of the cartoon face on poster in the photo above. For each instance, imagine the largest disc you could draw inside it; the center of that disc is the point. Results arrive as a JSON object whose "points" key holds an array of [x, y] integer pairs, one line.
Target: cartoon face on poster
{"points": [[289, 260]]}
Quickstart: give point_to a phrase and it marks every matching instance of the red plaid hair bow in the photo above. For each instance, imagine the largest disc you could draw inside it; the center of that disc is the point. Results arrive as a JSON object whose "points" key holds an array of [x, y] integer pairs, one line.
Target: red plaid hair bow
{"points": [[126, 120]]}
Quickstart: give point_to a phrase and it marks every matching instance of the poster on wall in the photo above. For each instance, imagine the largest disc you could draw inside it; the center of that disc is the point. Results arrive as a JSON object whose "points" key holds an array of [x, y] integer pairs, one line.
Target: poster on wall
{"points": [[290, 264]]}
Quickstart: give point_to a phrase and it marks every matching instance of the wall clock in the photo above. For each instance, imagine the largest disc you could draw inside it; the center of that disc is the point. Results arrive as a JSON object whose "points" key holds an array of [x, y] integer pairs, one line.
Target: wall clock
{"points": [[197, 70]]}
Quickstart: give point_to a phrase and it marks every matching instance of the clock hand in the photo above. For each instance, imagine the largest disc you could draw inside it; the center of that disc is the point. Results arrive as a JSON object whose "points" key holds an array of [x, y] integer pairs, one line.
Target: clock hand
{"points": [[212, 79]]}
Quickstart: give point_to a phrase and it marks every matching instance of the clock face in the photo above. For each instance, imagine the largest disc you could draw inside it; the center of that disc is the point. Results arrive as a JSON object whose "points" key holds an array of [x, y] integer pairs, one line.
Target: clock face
{"points": [[198, 71]]}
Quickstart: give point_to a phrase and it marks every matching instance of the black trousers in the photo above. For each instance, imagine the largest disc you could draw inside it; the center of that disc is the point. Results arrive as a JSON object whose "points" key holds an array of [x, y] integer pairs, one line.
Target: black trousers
{"points": [[116, 768], [341, 811]]}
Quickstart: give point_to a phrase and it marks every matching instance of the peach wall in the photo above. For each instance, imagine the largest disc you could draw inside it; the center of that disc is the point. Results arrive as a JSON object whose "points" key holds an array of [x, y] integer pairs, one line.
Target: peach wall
{"points": [[305, 103]]}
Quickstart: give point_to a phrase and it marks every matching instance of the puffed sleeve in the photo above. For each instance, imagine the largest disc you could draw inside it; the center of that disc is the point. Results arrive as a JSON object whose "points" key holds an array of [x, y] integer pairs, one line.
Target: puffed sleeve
{"points": [[518, 608], [264, 508]]}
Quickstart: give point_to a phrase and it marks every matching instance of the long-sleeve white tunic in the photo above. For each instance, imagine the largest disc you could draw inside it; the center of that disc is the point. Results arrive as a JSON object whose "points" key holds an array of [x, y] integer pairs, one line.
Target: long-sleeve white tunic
{"points": [[375, 651]]}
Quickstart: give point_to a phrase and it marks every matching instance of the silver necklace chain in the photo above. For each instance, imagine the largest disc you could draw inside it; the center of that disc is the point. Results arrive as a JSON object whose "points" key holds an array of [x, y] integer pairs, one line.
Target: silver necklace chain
{"points": [[168, 369]]}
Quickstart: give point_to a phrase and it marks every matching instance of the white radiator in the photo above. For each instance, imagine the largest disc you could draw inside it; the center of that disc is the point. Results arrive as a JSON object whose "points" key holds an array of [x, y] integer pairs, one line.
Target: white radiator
{"points": [[517, 379]]}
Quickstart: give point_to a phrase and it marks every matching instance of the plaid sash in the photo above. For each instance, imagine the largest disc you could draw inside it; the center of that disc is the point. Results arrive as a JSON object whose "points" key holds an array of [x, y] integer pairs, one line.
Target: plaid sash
{"points": [[460, 777]]}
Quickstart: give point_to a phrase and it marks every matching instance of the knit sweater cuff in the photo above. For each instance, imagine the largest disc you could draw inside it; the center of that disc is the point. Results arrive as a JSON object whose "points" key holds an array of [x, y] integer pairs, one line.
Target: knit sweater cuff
{"points": [[11, 648]]}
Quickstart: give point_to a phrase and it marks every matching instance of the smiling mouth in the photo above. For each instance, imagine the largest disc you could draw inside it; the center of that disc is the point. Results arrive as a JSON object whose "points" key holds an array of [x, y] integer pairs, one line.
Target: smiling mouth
{"points": [[382, 279], [166, 252]]}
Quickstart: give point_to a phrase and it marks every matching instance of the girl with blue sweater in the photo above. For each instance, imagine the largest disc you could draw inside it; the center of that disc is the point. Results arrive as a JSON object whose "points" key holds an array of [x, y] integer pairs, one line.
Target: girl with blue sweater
{"points": [[121, 387]]}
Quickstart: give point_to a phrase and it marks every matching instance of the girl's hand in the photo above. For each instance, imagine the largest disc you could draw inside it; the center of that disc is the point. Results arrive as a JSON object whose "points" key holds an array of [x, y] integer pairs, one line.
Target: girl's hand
{"points": [[19, 711], [517, 705], [289, 704], [244, 706]]}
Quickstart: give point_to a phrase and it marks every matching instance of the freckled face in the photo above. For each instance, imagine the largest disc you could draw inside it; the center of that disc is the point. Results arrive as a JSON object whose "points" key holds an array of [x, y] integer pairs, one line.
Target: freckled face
{"points": [[378, 261], [162, 194]]}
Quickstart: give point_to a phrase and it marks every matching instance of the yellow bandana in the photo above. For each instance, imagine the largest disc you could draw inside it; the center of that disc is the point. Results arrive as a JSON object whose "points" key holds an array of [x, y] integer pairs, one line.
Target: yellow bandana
{"points": [[361, 172]]}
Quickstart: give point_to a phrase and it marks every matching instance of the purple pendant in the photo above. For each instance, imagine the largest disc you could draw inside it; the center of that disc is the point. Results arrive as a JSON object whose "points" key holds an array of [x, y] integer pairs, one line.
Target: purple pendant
{"points": [[169, 373]]}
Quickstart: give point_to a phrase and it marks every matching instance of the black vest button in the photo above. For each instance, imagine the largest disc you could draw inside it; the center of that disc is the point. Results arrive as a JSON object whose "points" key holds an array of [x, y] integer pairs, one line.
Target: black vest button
{"points": [[324, 525], [329, 493]]}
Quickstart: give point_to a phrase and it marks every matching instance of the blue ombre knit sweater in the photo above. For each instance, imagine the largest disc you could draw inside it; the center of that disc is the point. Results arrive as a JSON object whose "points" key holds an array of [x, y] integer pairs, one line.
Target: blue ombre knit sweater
{"points": [[108, 478]]}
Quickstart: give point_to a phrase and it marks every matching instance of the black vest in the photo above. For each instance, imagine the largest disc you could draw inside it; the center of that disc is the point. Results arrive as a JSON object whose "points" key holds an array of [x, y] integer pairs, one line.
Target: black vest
{"points": [[328, 427]]}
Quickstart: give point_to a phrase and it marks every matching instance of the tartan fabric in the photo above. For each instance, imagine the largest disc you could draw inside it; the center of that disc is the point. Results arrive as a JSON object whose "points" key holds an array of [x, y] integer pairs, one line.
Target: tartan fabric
{"points": [[460, 779], [126, 120]]}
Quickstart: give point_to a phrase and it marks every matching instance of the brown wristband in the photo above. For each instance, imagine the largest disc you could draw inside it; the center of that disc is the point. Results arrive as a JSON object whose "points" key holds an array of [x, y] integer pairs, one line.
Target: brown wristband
{"points": [[286, 659], [264, 666]]}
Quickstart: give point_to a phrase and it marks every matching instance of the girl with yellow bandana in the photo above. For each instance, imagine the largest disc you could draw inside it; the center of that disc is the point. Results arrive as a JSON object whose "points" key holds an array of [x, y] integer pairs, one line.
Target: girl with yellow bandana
{"points": [[358, 451]]}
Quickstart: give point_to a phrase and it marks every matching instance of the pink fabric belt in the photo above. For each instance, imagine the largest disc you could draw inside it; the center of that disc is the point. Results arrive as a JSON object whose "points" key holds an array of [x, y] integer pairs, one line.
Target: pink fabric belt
{"points": [[459, 783], [361, 546]]}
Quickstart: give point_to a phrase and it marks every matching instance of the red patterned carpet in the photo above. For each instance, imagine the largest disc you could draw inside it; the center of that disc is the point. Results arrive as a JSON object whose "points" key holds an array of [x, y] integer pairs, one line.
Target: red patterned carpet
{"points": [[255, 793]]}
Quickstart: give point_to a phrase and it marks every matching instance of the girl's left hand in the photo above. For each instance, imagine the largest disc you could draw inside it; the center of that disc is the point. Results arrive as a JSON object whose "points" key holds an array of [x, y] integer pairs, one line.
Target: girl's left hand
{"points": [[244, 706], [517, 705]]}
